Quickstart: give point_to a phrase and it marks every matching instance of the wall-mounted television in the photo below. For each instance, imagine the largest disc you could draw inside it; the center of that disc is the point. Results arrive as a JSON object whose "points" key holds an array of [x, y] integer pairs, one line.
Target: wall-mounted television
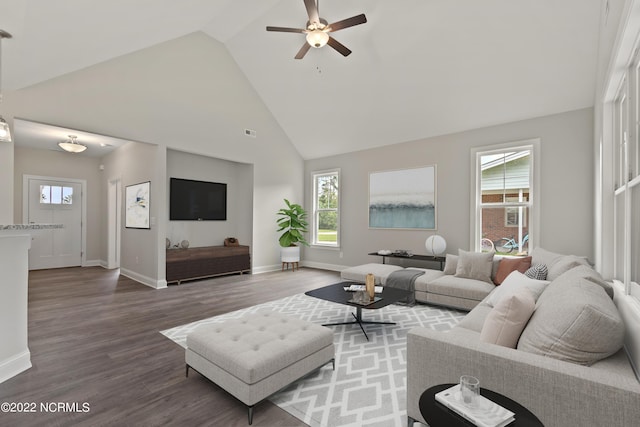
{"points": [[191, 200]]}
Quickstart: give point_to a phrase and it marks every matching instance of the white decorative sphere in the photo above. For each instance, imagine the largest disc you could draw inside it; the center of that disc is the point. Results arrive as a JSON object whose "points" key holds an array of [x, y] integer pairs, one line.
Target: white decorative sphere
{"points": [[184, 244], [435, 245]]}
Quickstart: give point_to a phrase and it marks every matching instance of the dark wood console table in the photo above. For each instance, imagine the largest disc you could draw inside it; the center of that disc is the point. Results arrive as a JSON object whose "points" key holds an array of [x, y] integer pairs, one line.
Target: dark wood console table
{"points": [[198, 263], [432, 258]]}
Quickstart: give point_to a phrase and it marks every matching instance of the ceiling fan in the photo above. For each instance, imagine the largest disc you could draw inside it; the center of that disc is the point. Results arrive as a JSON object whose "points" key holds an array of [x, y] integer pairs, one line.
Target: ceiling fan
{"points": [[318, 30]]}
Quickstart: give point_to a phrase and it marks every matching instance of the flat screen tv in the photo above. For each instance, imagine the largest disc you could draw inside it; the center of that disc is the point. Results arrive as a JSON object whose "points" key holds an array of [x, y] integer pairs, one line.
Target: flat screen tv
{"points": [[191, 200]]}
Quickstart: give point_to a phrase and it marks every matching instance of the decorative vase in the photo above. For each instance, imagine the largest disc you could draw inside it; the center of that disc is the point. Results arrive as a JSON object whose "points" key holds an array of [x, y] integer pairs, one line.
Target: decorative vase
{"points": [[370, 284]]}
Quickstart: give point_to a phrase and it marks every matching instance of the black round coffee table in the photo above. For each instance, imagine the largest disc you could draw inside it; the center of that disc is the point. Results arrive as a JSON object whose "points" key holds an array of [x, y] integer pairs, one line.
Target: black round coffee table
{"points": [[438, 415]]}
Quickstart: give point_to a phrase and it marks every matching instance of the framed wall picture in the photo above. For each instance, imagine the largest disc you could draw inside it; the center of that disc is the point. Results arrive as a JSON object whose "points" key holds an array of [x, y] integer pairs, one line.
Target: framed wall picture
{"points": [[137, 205], [403, 198]]}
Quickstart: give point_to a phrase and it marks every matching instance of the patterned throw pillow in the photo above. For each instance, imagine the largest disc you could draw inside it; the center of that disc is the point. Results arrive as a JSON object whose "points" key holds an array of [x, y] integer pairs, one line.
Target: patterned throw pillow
{"points": [[537, 272]]}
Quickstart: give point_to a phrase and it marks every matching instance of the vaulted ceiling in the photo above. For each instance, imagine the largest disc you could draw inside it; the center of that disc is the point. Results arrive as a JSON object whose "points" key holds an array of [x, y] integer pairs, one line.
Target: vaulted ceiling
{"points": [[419, 68]]}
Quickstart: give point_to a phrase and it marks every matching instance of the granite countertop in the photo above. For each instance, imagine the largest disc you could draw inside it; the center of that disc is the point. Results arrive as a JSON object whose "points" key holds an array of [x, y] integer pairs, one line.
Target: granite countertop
{"points": [[30, 226]]}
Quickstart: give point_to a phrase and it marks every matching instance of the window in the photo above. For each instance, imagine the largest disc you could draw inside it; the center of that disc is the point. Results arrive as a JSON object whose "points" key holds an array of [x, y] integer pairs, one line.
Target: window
{"points": [[326, 208], [624, 118], [504, 202], [56, 195]]}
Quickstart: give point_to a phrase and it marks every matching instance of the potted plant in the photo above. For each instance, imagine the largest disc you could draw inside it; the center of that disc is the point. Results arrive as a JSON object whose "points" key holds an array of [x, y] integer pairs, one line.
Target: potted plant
{"points": [[293, 221]]}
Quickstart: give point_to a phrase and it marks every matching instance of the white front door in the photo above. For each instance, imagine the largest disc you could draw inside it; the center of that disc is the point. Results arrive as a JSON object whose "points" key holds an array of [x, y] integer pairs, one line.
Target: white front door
{"points": [[55, 202]]}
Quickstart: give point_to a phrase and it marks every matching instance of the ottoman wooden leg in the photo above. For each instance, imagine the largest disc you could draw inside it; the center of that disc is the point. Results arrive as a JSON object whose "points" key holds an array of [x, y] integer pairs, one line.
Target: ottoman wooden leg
{"points": [[250, 408]]}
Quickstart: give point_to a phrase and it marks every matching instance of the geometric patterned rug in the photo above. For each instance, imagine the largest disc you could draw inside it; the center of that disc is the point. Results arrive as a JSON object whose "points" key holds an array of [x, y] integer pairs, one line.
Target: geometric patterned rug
{"points": [[368, 387]]}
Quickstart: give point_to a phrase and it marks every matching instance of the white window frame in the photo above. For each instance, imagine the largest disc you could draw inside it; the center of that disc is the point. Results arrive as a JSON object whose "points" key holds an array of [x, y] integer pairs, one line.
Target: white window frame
{"points": [[315, 212], [533, 203]]}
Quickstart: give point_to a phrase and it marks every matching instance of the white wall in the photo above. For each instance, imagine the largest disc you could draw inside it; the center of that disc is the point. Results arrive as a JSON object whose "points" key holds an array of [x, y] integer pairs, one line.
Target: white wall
{"points": [[134, 163], [57, 164], [187, 94], [6, 180], [237, 176], [566, 204]]}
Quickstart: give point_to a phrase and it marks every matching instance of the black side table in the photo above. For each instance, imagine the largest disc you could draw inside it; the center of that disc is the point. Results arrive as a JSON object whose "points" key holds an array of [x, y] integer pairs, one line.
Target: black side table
{"points": [[438, 415]]}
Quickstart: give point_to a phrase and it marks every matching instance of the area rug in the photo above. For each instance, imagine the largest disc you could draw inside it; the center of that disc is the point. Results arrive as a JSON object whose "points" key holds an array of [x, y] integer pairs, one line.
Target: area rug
{"points": [[368, 387]]}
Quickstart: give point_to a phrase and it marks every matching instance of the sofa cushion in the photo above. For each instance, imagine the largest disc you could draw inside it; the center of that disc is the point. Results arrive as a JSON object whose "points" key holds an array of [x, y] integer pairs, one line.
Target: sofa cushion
{"points": [[506, 321], [564, 264], [475, 265], [429, 275], [459, 287], [556, 263], [543, 256], [359, 272], [575, 320], [590, 274], [514, 283], [507, 265], [475, 318]]}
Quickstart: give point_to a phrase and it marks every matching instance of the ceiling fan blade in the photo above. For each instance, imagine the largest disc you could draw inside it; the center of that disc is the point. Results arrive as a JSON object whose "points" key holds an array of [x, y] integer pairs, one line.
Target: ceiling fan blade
{"points": [[312, 10], [303, 50], [339, 46], [349, 22], [286, 30]]}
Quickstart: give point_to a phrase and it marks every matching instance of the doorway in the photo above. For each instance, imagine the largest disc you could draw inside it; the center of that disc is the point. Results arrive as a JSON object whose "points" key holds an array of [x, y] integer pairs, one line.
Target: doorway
{"points": [[49, 200]]}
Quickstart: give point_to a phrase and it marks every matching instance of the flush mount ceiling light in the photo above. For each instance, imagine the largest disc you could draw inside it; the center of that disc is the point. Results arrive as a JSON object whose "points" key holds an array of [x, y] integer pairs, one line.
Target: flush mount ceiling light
{"points": [[5, 132], [71, 145]]}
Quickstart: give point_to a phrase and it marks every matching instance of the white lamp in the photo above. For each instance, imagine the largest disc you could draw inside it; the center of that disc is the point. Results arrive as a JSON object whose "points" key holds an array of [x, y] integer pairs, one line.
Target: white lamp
{"points": [[5, 132], [71, 145], [435, 245]]}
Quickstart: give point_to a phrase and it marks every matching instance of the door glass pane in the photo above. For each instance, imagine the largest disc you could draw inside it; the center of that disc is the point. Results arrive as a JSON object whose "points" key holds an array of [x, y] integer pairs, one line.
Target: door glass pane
{"points": [[67, 195], [56, 194], [45, 194]]}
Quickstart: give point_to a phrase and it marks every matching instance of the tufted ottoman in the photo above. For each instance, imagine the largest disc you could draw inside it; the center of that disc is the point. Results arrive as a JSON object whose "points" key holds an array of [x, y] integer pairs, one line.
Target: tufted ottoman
{"points": [[258, 354]]}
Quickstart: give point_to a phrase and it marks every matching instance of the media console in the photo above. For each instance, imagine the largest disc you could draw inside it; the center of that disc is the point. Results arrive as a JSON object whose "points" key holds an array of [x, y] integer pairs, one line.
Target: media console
{"points": [[208, 261]]}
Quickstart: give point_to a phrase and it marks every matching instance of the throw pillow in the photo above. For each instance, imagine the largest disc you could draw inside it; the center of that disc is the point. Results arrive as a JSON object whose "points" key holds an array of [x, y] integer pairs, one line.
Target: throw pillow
{"points": [[575, 321], [564, 264], [543, 256], [507, 265], [475, 265], [537, 272], [513, 284], [506, 321], [451, 264]]}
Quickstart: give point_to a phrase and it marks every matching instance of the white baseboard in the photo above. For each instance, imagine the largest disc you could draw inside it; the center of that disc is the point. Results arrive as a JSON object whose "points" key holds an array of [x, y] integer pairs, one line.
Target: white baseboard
{"points": [[152, 283], [12, 366], [94, 263], [323, 266], [266, 268], [310, 264]]}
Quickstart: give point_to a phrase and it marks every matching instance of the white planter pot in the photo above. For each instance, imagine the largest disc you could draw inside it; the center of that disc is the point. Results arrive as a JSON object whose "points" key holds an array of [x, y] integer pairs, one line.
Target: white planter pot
{"points": [[290, 254]]}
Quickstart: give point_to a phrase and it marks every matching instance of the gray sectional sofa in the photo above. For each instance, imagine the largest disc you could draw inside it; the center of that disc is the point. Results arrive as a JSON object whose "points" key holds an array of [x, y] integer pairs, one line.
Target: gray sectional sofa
{"points": [[434, 286], [567, 366]]}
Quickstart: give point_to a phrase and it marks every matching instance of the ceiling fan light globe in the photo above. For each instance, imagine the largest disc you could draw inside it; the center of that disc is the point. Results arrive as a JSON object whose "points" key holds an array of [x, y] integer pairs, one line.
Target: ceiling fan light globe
{"points": [[317, 38]]}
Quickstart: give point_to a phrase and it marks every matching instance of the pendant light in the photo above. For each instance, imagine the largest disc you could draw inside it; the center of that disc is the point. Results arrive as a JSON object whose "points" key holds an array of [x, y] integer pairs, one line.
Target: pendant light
{"points": [[71, 145], [5, 132]]}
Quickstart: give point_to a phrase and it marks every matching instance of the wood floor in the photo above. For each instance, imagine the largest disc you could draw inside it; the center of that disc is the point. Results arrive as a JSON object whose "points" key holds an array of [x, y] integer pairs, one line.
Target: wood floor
{"points": [[94, 338]]}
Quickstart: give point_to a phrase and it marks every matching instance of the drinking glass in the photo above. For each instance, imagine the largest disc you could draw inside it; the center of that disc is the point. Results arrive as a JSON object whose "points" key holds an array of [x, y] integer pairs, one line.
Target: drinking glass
{"points": [[469, 390]]}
